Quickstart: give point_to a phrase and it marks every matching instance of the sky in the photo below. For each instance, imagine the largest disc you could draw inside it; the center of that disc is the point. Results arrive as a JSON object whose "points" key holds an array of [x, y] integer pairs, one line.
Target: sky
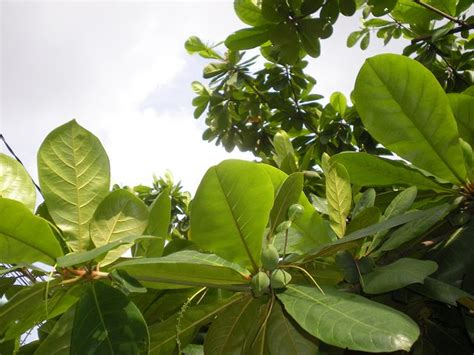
{"points": [[120, 69]]}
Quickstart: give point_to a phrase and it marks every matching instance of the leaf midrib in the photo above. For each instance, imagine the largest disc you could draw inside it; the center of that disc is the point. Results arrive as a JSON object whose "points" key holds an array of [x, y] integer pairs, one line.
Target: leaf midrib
{"points": [[388, 88]]}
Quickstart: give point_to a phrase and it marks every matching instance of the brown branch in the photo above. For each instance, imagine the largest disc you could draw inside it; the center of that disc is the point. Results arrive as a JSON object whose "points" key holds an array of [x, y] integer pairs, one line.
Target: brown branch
{"points": [[439, 12], [454, 30]]}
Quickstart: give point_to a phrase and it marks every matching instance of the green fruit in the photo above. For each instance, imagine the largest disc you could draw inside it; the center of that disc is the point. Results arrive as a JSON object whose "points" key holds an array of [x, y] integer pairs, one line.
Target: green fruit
{"points": [[279, 279], [295, 211], [283, 226], [260, 283], [270, 257]]}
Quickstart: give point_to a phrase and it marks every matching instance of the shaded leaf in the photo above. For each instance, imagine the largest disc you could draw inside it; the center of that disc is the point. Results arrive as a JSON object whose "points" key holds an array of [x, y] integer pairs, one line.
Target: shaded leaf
{"points": [[398, 274], [463, 110], [248, 38], [106, 322]]}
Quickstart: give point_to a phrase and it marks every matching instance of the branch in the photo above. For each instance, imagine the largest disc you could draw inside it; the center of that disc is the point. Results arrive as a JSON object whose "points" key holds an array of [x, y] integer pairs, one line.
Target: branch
{"points": [[454, 30], [2, 138], [439, 12]]}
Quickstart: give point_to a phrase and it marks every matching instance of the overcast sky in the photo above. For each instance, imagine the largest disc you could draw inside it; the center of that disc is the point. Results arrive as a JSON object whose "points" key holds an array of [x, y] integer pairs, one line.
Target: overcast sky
{"points": [[120, 69]]}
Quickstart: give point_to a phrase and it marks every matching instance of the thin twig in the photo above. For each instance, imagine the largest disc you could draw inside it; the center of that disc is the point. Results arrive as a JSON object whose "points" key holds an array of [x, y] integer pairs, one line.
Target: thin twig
{"points": [[454, 30], [439, 12]]}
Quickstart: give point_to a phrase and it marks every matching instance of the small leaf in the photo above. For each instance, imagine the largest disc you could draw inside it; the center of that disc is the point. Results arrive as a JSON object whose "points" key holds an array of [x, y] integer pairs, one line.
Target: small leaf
{"points": [[353, 38], [347, 7], [248, 38], [249, 12], [401, 203], [107, 322], [366, 200], [366, 218], [398, 274], [74, 174], [288, 194], [195, 45], [339, 197], [15, 183], [25, 237], [339, 102], [349, 321]]}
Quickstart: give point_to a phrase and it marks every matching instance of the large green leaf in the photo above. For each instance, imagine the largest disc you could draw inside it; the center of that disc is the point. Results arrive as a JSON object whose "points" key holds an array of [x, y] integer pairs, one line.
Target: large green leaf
{"points": [[74, 175], [15, 183], [119, 215], [403, 106], [463, 109], [284, 336], [235, 329], [230, 211], [25, 237], [163, 335], [401, 273], [107, 322], [186, 268], [348, 320], [339, 197], [369, 170]]}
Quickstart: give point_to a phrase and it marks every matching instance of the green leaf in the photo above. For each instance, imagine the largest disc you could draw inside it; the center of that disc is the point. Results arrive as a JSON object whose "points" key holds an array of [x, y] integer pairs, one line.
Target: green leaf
{"points": [[15, 183], [347, 7], [367, 217], [74, 175], [106, 322], [440, 291], [25, 237], [230, 211], [97, 254], [463, 110], [418, 122], [308, 38], [382, 7], [119, 215], [58, 342], [368, 170], [158, 225], [235, 328], [352, 239], [186, 268], [284, 336], [288, 194], [349, 321], [339, 197], [163, 335], [249, 12], [398, 274], [248, 38], [195, 45], [311, 6], [339, 102], [415, 228], [366, 200], [353, 38], [401, 203]]}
